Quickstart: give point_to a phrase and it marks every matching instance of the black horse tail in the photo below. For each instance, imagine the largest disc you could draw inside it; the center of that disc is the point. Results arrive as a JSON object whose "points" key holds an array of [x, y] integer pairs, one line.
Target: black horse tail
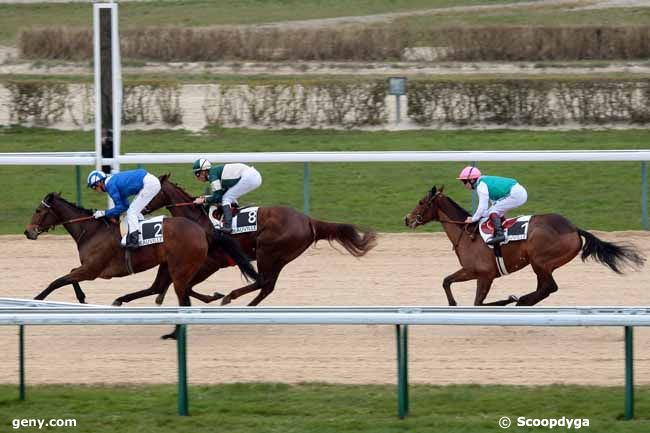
{"points": [[610, 254], [235, 251], [358, 242]]}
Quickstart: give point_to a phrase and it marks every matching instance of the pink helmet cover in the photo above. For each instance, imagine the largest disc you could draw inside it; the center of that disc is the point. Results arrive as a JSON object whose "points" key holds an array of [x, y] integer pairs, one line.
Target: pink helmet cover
{"points": [[469, 172]]}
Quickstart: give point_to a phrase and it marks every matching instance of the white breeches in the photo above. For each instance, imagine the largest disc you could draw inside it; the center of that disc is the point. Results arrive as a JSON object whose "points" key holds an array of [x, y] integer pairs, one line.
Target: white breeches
{"points": [[149, 190], [250, 179], [517, 197]]}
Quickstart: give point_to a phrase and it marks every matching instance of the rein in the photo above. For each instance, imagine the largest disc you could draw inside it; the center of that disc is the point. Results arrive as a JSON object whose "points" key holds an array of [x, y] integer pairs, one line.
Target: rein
{"points": [[448, 221], [77, 220], [189, 203]]}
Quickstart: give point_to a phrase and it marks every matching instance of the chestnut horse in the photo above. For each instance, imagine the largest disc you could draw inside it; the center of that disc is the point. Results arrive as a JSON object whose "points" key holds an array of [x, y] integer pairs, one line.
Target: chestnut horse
{"points": [[282, 235], [183, 252], [552, 242]]}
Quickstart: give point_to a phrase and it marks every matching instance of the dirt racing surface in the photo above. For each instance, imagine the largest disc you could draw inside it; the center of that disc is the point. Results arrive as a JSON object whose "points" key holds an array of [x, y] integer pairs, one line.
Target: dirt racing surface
{"points": [[404, 269]]}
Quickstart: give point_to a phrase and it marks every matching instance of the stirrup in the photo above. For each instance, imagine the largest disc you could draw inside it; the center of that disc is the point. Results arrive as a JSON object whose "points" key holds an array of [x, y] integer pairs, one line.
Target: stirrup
{"points": [[494, 240], [132, 241], [227, 230]]}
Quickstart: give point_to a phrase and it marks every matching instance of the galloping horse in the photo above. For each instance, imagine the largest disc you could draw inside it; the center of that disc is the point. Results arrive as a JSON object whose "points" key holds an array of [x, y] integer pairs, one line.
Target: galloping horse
{"points": [[182, 253], [282, 235], [552, 242]]}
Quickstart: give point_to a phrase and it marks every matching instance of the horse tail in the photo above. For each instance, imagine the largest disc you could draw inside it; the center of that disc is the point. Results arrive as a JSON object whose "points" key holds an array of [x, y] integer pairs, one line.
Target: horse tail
{"points": [[235, 251], [358, 242], [610, 254]]}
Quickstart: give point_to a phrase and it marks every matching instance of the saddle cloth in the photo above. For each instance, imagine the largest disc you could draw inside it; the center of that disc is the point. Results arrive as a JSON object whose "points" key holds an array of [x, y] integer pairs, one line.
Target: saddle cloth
{"points": [[516, 229], [244, 220], [151, 231]]}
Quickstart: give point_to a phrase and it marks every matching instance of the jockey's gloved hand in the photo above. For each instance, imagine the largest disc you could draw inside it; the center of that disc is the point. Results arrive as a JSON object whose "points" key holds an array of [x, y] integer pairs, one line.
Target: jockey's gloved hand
{"points": [[99, 214]]}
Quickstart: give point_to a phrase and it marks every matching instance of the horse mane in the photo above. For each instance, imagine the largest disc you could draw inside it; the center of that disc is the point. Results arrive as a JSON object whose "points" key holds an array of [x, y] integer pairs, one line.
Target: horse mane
{"points": [[462, 213], [165, 178], [74, 205]]}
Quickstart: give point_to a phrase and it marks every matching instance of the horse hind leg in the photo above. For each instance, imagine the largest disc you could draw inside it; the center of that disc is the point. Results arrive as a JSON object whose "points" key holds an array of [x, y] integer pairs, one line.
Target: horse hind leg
{"points": [[545, 286], [267, 287]]}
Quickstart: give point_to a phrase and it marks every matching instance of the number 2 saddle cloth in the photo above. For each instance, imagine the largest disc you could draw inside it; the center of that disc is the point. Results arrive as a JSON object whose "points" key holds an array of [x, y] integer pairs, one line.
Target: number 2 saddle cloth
{"points": [[151, 231]]}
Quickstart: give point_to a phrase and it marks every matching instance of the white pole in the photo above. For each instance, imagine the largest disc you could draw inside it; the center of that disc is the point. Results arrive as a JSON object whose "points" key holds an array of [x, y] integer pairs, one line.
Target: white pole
{"points": [[117, 87], [98, 93]]}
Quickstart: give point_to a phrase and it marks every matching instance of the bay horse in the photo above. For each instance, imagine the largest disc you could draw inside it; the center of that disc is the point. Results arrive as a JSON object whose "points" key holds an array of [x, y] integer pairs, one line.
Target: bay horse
{"points": [[185, 247], [283, 234], [552, 242]]}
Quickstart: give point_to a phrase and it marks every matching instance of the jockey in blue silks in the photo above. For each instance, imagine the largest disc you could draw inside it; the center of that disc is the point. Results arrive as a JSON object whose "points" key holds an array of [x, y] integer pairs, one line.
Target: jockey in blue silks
{"points": [[119, 187]]}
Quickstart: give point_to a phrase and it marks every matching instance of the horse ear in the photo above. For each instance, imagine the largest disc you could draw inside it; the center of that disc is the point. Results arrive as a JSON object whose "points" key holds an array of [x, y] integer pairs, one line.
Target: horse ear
{"points": [[433, 191], [442, 188]]}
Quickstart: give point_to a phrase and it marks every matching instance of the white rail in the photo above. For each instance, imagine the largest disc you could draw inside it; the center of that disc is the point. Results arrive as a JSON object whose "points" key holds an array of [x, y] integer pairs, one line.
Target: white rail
{"points": [[68, 158], [502, 316]]}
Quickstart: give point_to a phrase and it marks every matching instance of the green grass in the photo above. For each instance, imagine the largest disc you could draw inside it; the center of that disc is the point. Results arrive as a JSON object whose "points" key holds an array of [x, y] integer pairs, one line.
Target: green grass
{"points": [[269, 408], [599, 195], [193, 13], [538, 16]]}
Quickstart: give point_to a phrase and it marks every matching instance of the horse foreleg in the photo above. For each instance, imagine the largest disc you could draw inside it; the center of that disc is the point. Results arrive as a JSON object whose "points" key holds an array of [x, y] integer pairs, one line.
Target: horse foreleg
{"points": [[74, 277], [159, 286], [135, 295], [81, 296], [482, 289], [458, 276]]}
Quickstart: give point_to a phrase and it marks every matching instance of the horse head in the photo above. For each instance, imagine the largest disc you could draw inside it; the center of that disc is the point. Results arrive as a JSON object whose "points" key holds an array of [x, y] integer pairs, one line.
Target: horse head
{"points": [[175, 199], [426, 209], [44, 217]]}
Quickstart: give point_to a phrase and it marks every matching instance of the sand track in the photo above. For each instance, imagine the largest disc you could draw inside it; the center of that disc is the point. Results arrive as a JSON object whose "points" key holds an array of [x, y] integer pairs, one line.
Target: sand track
{"points": [[405, 269]]}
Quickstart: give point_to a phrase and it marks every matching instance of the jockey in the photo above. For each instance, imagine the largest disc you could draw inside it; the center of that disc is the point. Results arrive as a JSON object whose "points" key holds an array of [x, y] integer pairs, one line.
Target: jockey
{"points": [[119, 187], [228, 182], [504, 194]]}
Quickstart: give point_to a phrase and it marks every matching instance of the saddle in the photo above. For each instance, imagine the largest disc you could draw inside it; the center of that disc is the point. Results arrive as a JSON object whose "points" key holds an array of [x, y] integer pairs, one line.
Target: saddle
{"points": [[515, 229], [487, 227], [244, 219], [216, 211]]}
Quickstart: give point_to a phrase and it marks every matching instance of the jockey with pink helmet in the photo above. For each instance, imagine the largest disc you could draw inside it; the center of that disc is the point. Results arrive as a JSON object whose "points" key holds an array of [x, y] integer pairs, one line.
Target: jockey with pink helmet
{"points": [[502, 193]]}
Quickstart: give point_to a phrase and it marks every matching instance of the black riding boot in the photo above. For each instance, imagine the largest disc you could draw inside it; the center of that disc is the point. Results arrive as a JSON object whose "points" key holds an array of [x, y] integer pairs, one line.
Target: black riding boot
{"points": [[132, 240], [227, 219], [498, 231]]}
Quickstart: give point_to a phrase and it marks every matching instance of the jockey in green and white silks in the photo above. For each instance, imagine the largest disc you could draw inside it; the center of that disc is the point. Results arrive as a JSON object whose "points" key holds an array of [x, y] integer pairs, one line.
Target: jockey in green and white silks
{"points": [[228, 182], [503, 193]]}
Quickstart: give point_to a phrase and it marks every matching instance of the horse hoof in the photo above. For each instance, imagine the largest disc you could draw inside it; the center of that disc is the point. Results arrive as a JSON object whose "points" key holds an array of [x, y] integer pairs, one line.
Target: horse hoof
{"points": [[117, 303], [513, 298], [171, 336], [225, 300], [217, 295]]}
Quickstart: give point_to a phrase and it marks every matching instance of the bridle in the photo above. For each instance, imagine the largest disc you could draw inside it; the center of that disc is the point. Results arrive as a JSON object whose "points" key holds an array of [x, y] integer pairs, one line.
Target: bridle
{"points": [[38, 229], [428, 204]]}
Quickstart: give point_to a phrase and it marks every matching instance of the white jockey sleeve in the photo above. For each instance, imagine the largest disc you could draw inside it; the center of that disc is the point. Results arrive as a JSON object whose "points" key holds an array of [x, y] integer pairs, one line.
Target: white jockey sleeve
{"points": [[216, 185], [483, 201]]}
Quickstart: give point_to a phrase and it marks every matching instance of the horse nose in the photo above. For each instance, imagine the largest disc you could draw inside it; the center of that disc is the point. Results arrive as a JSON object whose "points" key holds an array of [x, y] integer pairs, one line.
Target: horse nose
{"points": [[406, 220]]}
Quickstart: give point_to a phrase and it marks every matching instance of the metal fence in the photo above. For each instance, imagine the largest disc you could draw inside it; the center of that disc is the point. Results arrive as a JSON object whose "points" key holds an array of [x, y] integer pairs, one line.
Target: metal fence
{"points": [[78, 159], [22, 313]]}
